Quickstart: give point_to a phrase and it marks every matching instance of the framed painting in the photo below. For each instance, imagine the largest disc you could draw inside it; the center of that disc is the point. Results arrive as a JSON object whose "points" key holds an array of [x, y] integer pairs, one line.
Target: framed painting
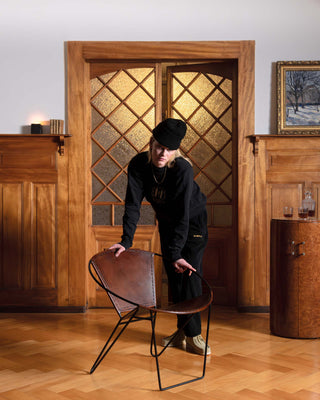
{"points": [[298, 97]]}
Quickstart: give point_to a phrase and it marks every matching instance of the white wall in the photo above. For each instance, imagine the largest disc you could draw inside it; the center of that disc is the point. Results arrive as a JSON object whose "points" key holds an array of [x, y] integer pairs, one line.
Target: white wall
{"points": [[33, 33]]}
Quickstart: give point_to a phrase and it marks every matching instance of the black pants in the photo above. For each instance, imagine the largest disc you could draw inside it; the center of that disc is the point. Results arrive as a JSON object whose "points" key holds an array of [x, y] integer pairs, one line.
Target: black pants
{"points": [[183, 286]]}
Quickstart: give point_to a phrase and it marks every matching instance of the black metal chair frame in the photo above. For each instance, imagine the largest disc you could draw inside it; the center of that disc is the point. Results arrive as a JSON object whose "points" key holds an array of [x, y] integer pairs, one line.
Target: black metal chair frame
{"points": [[133, 316]]}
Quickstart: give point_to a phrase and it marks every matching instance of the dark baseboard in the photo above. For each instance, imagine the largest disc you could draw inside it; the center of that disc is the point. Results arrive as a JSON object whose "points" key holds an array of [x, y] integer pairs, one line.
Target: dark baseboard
{"points": [[253, 309], [42, 309]]}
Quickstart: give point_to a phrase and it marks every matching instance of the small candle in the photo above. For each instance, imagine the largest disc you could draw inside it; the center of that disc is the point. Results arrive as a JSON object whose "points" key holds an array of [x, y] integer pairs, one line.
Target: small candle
{"points": [[36, 128]]}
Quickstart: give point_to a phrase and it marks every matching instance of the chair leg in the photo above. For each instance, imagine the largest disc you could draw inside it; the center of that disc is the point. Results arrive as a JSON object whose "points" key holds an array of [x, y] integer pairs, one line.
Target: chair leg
{"points": [[207, 340], [107, 347], [157, 355]]}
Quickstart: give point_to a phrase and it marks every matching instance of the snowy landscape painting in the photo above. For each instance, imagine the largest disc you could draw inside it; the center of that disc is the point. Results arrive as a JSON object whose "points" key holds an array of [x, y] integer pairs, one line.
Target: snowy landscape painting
{"points": [[298, 97]]}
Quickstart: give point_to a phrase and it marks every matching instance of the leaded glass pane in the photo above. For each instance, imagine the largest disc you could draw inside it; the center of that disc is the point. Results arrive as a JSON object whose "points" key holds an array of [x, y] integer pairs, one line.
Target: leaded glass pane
{"points": [[217, 136], [105, 102], [177, 89], [139, 136], [96, 85], [185, 77], [190, 139], [106, 135], [96, 119], [97, 152], [186, 105], [119, 185], [227, 187], [118, 214], [227, 153], [149, 85], [205, 184], [201, 154], [147, 215], [123, 152], [201, 88], [106, 169], [226, 119], [217, 169], [204, 100], [123, 116], [123, 85], [217, 103], [150, 118], [222, 215], [139, 101], [141, 73], [106, 196], [214, 79], [107, 77], [218, 197], [226, 86], [97, 186], [101, 215], [202, 120]]}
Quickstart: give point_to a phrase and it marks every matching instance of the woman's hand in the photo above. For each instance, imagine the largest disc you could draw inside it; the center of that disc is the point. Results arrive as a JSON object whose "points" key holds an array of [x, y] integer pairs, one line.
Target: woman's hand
{"points": [[118, 249], [182, 265]]}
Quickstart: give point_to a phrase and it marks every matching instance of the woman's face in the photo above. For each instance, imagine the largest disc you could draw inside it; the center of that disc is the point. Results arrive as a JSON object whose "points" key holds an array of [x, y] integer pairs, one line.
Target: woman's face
{"points": [[160, 155]]}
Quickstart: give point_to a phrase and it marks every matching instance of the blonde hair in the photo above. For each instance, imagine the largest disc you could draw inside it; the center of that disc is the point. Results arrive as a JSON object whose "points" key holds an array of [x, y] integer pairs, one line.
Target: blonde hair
{"points": [[172, 160]]}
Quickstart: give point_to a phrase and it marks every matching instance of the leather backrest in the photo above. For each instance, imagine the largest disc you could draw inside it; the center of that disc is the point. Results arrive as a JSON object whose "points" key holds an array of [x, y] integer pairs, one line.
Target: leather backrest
{"points": [[131, 276]]}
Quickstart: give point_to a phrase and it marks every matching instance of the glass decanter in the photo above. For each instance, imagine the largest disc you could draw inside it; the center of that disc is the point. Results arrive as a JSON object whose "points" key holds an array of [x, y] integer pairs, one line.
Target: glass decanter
{"points": [[309, 203]]}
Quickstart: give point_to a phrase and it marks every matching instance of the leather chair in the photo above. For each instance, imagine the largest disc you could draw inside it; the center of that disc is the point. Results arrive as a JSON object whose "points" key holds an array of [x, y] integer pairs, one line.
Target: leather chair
{"points": [[129, 281]]}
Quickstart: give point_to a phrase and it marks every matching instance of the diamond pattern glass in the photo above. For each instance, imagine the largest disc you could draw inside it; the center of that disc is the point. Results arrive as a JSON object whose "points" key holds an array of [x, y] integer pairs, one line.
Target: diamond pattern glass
{"points": [[204, 101], [123, 116]]}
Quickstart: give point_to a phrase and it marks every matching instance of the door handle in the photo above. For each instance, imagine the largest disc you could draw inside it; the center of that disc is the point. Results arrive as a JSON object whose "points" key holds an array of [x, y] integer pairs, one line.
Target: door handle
{"points": [[295, 249]]}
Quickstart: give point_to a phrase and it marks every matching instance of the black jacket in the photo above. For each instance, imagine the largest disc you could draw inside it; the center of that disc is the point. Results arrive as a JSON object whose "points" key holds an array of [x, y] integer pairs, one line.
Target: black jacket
{"points": [[173, 194]]}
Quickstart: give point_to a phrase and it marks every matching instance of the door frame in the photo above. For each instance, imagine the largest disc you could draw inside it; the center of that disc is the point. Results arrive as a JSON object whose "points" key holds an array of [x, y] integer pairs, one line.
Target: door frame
{"points": [[79, 56]]}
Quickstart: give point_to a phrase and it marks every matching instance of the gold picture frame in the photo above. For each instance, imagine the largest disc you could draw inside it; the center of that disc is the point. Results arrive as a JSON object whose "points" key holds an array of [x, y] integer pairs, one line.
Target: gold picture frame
{"points": [[298, 97]]}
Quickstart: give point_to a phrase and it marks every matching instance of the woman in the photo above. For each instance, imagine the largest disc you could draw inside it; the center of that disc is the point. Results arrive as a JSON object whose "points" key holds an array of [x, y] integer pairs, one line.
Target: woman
{"points": [[165, 179]]}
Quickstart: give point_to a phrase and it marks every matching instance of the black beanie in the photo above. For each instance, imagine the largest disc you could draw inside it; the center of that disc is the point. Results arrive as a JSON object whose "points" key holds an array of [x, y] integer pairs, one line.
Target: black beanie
{"points": [[170, 132]]}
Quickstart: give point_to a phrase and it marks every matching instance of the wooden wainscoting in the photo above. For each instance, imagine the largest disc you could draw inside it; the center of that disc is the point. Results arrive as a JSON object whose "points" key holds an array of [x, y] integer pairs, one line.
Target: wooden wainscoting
{"points": [[33, 212], [284, 166]]}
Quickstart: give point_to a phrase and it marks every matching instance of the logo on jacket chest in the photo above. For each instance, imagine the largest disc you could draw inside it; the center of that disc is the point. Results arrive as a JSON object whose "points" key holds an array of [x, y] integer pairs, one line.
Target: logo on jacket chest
{"points": [[158, 194]]}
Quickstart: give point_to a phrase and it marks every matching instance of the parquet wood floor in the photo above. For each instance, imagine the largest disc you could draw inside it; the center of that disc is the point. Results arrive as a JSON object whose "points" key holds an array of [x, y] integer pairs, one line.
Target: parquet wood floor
{"points": [[48, 357]]}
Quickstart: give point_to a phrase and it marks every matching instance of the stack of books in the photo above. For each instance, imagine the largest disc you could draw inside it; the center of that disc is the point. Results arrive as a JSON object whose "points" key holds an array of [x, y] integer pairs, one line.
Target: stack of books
{"points": [[56, 126]]}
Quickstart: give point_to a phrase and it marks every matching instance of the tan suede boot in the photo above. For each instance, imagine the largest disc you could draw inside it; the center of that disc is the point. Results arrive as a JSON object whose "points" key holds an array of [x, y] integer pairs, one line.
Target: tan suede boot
{"points": [[197, 345], [179, 341]]}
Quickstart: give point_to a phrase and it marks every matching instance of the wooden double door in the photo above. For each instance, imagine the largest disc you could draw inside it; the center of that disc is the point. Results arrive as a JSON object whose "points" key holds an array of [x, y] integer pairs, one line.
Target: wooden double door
{"points": [[127, 101]]}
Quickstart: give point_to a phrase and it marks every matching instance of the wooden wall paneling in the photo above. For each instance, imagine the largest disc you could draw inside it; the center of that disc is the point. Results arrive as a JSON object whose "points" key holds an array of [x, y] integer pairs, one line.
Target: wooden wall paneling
{"points": [[11, 236], [78, 74], [43, 212], [316, 196], [285, 195], [261, 213], [28, 222], [284, 166], [246, 265], [31, 223], [62, 227], [217, 255]]}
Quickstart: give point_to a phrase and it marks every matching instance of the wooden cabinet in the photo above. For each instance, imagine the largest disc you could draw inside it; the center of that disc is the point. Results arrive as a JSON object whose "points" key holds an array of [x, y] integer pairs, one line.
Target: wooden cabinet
{"points": [[33, 223], [284, 166], [295, 278]]}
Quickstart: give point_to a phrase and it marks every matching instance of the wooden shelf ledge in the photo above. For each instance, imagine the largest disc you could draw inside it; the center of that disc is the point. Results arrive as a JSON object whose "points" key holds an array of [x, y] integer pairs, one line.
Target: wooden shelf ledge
{"points": [[59, 139]]}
